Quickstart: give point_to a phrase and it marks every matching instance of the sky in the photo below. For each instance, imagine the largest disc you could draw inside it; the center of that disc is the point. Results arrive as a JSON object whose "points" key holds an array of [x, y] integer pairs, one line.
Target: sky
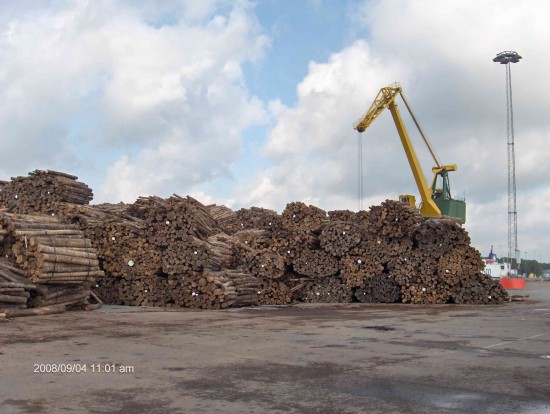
{"points": [[252, 103]]}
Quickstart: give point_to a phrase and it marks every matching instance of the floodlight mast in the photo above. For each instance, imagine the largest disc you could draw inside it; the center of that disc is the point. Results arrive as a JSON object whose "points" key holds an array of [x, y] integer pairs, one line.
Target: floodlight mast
{"points": [[505, 58]]}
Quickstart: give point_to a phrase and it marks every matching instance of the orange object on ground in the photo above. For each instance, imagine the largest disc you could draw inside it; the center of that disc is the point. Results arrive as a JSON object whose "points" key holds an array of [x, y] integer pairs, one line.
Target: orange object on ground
{"points": [[512, 283]]}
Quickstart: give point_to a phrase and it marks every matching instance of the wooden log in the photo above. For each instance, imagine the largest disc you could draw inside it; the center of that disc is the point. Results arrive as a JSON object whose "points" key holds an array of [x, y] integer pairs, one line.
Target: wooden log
{"points": [[12, 299], [30, 233], [7, 275], [49, 310], [61, 242], [73, 259], [28, 286], [90, 254]]}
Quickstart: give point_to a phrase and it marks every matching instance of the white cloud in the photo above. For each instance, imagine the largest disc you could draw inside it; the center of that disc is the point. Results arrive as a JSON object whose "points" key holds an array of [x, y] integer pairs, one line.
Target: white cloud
{"points": [[159, 83]]}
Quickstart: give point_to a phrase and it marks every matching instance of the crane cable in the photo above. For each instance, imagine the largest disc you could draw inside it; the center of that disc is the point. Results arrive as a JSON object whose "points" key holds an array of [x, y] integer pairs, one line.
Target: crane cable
{"points": [[360, 171], [426, 141]]}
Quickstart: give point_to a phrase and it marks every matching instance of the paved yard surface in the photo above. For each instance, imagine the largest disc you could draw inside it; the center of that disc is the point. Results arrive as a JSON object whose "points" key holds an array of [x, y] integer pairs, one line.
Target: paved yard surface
{"points": [[300, 359]]}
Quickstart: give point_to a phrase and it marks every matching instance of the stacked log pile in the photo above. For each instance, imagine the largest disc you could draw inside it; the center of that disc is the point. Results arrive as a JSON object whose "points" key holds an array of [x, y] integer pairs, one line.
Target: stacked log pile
{"points": [[387, 254], [173, 218], [315, 263], [326, 290], [339, 237], [264, 263], [43, 192], [225, 217], [258, 218], [478, 289], [2, 196], [15, 289], [118, 238], [50, 251], [442, 257], [274, 292], [381, 288], [197, 267], [199, 290], [50, 295], [45, 264], [391, 220], [177, 252], [299, 217], [217, 290]]}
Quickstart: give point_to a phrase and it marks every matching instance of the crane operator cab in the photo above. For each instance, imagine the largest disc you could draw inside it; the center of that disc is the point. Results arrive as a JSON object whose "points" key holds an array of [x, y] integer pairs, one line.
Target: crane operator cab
{"points": [[441, 193]]}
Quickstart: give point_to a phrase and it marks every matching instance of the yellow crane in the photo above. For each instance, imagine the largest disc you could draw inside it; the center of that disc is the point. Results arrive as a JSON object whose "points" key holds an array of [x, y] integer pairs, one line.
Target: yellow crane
{"points": [[435, 201]]}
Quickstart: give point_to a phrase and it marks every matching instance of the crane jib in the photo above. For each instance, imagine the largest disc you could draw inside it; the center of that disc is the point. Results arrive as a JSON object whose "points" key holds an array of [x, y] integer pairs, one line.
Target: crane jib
{"points": [[435, 201]]}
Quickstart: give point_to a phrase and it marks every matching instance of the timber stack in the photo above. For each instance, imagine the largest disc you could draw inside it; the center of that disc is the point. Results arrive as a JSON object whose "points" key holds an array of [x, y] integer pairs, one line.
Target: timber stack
{"points": [[118, 238], [46, 265], [274, 292], [43, 192], [326, 290], [177, 252], [196, 266]]}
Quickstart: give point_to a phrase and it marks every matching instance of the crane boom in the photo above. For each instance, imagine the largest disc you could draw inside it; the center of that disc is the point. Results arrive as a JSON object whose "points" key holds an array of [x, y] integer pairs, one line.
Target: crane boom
{"points": [[386, 99], [433, 200]]}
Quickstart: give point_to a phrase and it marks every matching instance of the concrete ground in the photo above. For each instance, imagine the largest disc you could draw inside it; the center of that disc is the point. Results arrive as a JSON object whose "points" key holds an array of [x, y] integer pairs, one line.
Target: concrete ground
{"points": [[300, 359]]}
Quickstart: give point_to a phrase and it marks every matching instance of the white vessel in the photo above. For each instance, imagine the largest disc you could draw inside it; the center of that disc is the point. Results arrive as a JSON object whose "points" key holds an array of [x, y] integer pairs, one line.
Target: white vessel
{"points": [[495, 269]]}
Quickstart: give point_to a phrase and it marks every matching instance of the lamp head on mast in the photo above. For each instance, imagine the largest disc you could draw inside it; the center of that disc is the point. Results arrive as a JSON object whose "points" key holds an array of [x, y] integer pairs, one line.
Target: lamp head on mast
{"points": [[507, 57]]}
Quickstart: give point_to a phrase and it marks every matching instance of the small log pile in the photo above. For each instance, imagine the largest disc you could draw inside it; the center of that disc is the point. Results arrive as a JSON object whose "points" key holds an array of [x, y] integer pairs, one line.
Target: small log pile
{"points": [[302, 218], [254, 218], [342, 215], [315, 263], [3, 183], [50, 251], [174, 218], [191, 254], [478, 289], [145, 291], [440, 235], [381, 288], [15, 289], [225, 217], [264, 263], [326, 290], [43, 192], [425, 289], [254, 238], [216, 290], [339, 237], [288, 243], [457, 263], [257, 218], [50, 295], [356, 270], [391, 220], [110, 290], [47, 265], [118, 238], [274, 292]]}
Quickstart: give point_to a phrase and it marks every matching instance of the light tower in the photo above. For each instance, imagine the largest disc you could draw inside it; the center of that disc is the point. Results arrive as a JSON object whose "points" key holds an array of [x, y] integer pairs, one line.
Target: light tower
{"points": [[505, 58]]}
